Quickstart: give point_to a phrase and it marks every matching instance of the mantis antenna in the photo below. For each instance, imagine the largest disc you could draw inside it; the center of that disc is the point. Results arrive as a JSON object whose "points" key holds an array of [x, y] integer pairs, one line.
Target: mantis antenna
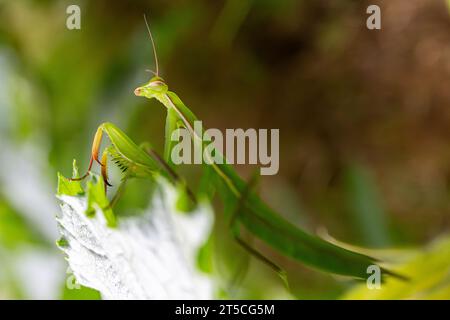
{"points": [[153, 46]]}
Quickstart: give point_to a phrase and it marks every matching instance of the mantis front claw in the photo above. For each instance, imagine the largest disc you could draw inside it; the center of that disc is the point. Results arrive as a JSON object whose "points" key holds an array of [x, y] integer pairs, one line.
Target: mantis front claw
{"points": [[94, 156]]}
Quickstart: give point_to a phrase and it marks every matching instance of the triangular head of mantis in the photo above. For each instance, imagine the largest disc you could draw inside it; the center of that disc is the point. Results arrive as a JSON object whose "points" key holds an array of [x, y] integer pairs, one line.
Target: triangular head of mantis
{"points": [[155, 87]]}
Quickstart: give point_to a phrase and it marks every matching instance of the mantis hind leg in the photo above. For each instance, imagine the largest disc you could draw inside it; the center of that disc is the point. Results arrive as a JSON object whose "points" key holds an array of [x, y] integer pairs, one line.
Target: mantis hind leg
{"points": [[235, 230], [260, 256]]}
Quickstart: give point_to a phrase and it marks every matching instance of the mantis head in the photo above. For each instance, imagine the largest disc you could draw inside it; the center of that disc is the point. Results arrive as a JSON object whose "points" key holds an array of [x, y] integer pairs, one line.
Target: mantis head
{"points": [[156, 86]]}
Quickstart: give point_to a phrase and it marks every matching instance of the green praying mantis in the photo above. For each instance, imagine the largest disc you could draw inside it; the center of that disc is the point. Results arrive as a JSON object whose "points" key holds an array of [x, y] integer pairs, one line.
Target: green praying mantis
{"points": [[249, 212]]}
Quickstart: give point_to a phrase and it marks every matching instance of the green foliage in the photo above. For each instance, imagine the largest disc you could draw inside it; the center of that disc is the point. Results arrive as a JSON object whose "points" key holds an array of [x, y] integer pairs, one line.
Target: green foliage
{"points": [[97, 199], [427, 270], [70, 187], [184, 202], [365, 206], [15, 231], [80, 293], [204, 261]]}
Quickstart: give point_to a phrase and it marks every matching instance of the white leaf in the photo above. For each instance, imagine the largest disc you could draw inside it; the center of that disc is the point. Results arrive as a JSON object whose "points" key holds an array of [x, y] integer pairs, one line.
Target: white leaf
{"points": [[148, 256]]}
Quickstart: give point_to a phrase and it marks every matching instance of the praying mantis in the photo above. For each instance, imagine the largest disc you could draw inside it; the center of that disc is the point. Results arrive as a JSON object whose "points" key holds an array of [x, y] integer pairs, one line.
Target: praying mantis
{"points": [[249, 211]]}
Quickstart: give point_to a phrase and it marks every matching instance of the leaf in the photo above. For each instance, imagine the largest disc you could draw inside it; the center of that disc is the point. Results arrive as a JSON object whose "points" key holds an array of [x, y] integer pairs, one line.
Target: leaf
{"points": [[428, 270], [96, 199], [70, 187], [81, 293], [152, 255]]}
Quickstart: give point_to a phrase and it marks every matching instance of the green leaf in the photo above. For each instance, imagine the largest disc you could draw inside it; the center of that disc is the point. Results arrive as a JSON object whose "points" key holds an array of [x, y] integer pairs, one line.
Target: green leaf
{"points": [[184, 202], [70, 187], [428, 272], [81, 293], [97, 200], [204, 261], [62, 243]]}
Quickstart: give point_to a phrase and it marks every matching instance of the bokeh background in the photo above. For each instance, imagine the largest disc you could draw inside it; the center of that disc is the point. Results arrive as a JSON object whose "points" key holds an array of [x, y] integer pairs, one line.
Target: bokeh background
{"points": [[363, 115]]}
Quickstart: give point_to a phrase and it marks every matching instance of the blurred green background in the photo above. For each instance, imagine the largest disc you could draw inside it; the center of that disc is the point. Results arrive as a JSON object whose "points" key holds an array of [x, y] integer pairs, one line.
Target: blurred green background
{"points": [[363, 115]]}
